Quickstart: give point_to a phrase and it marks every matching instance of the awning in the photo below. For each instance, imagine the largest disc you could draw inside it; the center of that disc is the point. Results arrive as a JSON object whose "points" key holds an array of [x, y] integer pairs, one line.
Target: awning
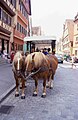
{"points": [[40, 39]]}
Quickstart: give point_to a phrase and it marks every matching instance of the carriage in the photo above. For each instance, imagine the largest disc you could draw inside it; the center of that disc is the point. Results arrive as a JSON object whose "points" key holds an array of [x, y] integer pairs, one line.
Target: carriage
{"points": [[39, 42]]}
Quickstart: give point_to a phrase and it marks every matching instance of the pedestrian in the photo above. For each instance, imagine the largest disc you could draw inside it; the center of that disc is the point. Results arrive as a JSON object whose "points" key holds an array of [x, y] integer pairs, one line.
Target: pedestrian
{"points": [[32, 49], [37, 50], [26, 53], [45, 51], [5, 53], [12, 56], [73, 60]]}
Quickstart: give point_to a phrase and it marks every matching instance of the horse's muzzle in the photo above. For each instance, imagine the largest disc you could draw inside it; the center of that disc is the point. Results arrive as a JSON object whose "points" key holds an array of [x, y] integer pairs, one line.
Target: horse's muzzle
{"points": [[18, 73]]}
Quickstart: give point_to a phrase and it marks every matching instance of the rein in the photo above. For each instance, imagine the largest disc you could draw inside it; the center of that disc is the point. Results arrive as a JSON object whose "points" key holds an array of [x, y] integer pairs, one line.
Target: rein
{"points": [[41, 69], [33, 73]]}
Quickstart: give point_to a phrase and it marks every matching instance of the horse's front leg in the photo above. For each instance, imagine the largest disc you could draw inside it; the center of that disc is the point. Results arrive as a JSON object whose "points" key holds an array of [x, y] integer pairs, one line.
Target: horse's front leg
{"points": [[36, 88], [17, 84], [44, 88], [23, 89]]}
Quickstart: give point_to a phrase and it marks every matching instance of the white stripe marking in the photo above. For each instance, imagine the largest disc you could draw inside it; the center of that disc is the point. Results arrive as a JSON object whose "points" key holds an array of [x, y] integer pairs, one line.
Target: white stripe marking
{"points": [[18, 63]]}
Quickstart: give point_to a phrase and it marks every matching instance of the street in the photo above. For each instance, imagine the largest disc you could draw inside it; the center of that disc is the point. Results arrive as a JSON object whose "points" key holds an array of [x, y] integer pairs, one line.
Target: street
{"points": [[61, 103]]}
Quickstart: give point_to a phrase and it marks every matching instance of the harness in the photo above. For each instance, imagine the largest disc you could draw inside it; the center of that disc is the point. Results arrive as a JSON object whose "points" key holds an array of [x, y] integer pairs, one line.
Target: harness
{"points": [[35, 71]]}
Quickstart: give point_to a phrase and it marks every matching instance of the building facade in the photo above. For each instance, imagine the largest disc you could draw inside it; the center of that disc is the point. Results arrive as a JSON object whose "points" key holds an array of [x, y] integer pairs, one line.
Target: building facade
{"points": [[59, 46], [67, 40], [36, 31], [14, 18], [75, 42]]}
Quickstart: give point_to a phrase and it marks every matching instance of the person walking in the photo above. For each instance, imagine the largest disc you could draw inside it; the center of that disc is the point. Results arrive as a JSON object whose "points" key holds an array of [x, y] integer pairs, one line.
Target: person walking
{"points": [[45, 51], [73, 60]]}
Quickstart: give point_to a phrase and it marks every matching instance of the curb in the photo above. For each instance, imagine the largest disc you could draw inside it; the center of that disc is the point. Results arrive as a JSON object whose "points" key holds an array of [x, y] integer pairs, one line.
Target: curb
{"points": [[7, 93]]}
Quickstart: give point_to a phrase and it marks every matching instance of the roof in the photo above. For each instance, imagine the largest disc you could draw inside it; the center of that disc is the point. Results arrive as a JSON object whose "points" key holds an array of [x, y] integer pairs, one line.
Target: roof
{"points": [[40, 39]]}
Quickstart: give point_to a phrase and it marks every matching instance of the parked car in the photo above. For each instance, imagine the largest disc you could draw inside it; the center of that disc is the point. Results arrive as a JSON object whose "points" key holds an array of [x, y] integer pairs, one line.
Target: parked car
{"points": [[60, 58], [75, 60]]}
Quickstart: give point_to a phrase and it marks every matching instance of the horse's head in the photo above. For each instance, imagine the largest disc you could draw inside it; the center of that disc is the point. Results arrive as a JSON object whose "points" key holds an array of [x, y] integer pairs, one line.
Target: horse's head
{"points": [[18, 63], [34, 61]]}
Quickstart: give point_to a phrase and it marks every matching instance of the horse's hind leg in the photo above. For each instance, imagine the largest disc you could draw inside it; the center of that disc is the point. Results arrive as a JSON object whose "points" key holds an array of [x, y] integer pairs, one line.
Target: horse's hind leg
{"points": [[36, 88], [50, 82], [23, 89], [44, 89]]}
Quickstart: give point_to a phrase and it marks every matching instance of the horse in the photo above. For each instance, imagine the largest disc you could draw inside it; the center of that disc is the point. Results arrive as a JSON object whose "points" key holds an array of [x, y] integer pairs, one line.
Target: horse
{"points": [[19, 72], [40, 66]]}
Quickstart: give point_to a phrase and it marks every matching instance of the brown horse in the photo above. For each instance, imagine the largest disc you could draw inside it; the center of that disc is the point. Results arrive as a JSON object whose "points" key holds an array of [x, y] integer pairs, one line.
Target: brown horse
{"points": [[43, 67], [19, 72]]}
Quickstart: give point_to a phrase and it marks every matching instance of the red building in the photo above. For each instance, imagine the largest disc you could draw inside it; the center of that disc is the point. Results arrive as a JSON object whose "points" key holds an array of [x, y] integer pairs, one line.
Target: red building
{"points": [[14, 21]]}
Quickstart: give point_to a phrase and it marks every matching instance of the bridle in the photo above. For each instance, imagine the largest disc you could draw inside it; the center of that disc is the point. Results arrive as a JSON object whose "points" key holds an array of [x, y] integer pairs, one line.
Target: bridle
{"points": [[19, 72]]}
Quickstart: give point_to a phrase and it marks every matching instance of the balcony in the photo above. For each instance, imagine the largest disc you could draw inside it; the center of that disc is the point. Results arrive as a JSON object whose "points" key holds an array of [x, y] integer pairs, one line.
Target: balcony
{"points": [[19, 35], [5, 28], [8, 6]]}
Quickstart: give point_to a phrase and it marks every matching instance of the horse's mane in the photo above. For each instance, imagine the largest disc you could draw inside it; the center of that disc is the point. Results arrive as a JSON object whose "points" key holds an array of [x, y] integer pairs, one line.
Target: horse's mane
{"points": [[38, 57]]}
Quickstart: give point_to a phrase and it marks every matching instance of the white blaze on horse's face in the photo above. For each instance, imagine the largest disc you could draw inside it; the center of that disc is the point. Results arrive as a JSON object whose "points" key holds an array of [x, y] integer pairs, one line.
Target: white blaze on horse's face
{"points": [[18, 64]]}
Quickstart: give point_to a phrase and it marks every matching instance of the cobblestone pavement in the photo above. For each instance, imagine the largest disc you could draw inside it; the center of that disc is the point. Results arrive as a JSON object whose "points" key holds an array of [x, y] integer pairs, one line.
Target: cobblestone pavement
{"points": [[61, 103]]}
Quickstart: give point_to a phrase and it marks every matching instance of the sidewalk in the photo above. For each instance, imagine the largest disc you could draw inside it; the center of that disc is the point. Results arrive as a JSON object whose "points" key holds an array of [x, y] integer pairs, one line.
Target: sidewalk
{"points": [[7, 82], [69, 63]]}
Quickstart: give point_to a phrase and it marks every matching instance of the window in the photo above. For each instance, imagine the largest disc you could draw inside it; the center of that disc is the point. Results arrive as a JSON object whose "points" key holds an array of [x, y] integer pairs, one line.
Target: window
{"points": [[0, 45], [76, 38], [22, 29], [4, 17], [20, 47], [13, 2], [0, 13], [18, 26], [9, 20], [77, 26], [75, 52], [25, 32], [23, 10]]}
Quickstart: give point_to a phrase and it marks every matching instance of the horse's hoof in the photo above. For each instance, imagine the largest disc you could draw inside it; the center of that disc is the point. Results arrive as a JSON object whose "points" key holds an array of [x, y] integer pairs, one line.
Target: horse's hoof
{"points": [[20, 87], [25, 86], [47, 86], [16, 95], [43, 96], [22, 97], [51, 87], [34, 94]]}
